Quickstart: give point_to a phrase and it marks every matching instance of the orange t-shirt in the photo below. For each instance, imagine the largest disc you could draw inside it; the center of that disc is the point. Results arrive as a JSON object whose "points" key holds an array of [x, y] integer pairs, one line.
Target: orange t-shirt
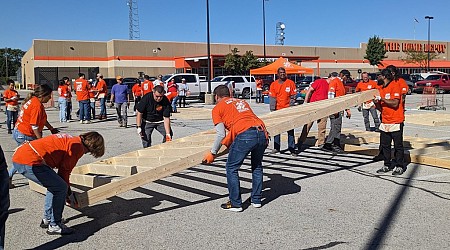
{"points": [[137, 90], [60, 151], [8, 94], [62, 91], [147, 86], [101, 87], [337, 87], [283, 93], [82, 89], [31, 113], [403, 85], [390, 115], [363, 86], [236, 115]]}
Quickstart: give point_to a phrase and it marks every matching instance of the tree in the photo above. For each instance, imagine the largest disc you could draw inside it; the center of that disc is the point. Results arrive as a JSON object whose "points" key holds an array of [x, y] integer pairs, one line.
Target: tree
{"points": [[375, 51], [419, 57], [13, 58], [241, 65]]}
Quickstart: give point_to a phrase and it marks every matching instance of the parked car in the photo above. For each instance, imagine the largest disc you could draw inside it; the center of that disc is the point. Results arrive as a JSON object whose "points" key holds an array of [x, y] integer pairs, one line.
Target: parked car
{"points": [[129, 81], [439, 81], [244, 86], [197, 89], [411, 79], [307, 79]]}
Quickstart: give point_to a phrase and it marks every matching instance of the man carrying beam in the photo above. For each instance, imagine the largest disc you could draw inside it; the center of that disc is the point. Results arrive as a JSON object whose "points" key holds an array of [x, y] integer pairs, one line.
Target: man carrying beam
{"points": [[246, 134], [36, 160]]}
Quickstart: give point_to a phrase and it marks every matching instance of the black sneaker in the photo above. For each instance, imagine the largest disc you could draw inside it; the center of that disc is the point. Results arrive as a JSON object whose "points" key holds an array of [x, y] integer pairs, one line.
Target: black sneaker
{"points": [[384, 169], [378, 157], [228, 206], [11, 185], [398, 171], [327, 147], [337, 150]]}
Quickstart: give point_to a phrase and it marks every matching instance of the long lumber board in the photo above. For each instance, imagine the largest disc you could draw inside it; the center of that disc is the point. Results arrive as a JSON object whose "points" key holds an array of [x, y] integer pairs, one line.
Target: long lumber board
{"points": [[143, 166]]}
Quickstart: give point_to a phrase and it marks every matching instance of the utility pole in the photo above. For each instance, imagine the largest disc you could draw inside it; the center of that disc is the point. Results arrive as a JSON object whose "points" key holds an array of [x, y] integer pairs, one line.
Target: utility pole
{"points": [[428, 49], [6, 62], [133, 20]]}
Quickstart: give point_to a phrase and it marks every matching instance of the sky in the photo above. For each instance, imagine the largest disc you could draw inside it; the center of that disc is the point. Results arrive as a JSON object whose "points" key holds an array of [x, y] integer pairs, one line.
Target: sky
{"points": [[328, 23]]}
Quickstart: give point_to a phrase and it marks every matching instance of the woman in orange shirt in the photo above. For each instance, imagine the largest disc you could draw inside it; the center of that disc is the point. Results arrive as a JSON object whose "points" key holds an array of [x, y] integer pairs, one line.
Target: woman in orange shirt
{"points": [[12, 105], [32, 118], [62, 100], [36, 161]]}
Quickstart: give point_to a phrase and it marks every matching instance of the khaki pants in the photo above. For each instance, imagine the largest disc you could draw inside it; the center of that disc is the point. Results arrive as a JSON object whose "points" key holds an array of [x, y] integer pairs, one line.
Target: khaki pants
{"points": [[322, 127]]}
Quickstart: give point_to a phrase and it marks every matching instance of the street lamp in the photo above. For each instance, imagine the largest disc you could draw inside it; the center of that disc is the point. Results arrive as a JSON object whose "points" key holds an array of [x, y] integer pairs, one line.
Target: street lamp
{"points": [[428, 49], [208, 47], [280, 34], [264, 27], [78, 59]]}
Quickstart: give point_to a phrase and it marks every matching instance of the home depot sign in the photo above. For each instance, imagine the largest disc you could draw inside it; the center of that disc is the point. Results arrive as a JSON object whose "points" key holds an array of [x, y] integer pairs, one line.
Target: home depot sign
{"points": [[397, 47]]}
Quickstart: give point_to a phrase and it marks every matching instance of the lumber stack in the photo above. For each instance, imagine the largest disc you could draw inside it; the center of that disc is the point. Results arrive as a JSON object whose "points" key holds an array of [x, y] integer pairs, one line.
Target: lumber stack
{"points": [[109, 177]]}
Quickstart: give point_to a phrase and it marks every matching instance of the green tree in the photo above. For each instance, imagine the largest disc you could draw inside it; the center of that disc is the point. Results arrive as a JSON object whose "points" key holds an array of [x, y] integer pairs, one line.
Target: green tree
{"points": [[419, 57], [14, 58], [241, 64], [375, 51]]}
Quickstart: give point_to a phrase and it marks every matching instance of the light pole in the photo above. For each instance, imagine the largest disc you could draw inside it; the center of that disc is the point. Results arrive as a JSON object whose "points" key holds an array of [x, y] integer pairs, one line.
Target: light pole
{"points": [[264, 27], [6, 62], [428, 49], [78, 59], [209, 47]]}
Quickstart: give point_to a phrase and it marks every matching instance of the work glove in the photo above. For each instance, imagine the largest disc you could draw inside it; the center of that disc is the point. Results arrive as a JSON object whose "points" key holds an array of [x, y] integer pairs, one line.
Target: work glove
{"points": [[139, 130], [377, 98], [359, 108], [168, 138], [208, 158], [111, 104], [54, 130], [348, 114], [71, 200]]}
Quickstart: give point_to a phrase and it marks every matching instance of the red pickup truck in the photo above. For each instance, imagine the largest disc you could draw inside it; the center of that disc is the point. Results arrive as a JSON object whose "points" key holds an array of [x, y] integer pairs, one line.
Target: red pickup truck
{"points": [[439, 81]]}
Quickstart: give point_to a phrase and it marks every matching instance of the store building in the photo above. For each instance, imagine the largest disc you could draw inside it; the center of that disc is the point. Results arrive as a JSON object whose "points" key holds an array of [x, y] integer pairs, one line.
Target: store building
{"points": [[49, 60]]}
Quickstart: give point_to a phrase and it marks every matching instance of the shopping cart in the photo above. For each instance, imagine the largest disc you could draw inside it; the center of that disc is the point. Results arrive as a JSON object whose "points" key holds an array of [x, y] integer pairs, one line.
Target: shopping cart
{"points": [[432, 99]]}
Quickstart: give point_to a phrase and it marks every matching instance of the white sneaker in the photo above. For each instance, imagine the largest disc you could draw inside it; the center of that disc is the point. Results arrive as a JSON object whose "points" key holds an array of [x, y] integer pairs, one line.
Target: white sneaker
{"points": [[81, 121], [87, 122], [59, 229], [256, 205]]}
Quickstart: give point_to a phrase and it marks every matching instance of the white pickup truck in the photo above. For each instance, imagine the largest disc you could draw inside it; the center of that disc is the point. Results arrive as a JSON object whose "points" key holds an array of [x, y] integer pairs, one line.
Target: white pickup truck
{"points": [[244, 86], [197, 88]]}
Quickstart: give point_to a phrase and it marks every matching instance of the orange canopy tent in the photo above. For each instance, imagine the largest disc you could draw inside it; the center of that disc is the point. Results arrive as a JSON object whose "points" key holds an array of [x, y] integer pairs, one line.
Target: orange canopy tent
{"points": [[272, 68]]}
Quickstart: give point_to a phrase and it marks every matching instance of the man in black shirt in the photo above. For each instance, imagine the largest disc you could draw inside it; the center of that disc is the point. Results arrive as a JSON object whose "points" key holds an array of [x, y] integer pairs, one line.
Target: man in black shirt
{"points": [[153, 112]]}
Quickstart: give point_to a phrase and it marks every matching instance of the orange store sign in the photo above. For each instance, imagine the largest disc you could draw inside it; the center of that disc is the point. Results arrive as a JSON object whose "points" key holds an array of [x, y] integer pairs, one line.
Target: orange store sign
{"points": [[397, 47]]}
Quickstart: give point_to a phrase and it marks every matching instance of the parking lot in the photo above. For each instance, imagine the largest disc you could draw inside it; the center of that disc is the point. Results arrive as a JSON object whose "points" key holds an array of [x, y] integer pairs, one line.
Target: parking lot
{"points": [[313, 201]]}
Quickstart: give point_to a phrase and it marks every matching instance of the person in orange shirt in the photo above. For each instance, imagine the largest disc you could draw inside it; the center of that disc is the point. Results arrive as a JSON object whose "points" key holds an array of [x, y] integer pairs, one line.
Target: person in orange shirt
{"points": [[101, 95], [147, 85], [11, 97], [32, 118], [392, 118], [282, 95], [259, 88], [369, 106], [246, 135], [37, 159], [336, 89], [69, 98], [137, 94], [82, 88], [172, 94], [401, 83], [62, 100]]}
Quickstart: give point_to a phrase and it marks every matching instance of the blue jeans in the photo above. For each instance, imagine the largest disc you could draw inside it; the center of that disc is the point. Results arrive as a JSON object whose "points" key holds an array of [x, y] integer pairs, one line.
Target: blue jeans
{"points": [[250, 141], [291, 141], [102, 107], [11, 116], [20, 139], [69, 110], [85, 114], [92, 109], [56, 189], [62, 109], [4, 197], [174, 104]]}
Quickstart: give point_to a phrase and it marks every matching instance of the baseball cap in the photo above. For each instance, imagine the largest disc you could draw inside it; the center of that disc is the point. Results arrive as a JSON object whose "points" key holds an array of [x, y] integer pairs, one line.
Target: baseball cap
{"points": [[119, 77], [182, 79], [99, 75]]}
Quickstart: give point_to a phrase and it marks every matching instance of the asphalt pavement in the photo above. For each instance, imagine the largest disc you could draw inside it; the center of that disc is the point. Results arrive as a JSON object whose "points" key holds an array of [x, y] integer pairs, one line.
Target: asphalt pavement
{"points": [[312, 201]]}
